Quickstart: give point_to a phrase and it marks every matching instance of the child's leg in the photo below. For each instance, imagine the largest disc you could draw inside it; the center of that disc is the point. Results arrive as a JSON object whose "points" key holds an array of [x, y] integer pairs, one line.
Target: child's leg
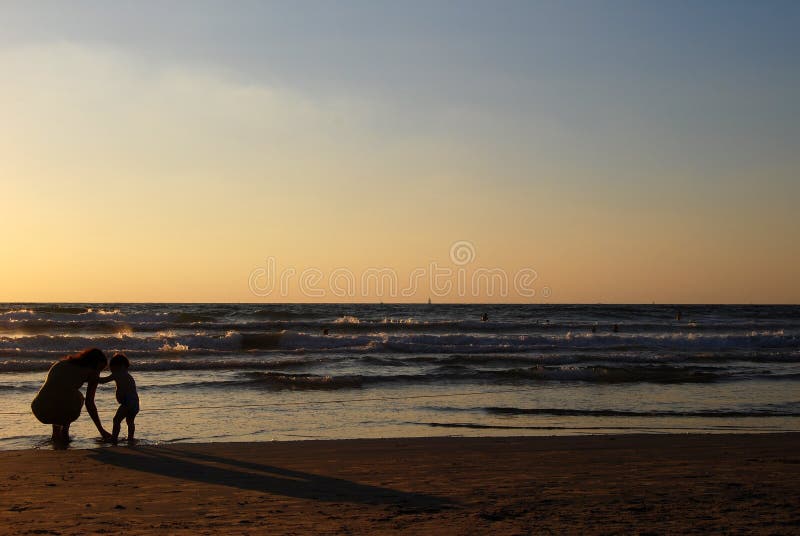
{"points": [[131, 426], [65, 433], [121, 413]]}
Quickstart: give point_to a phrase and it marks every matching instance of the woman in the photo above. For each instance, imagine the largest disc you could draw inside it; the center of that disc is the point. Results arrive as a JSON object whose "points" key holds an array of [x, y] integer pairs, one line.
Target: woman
{"points": [[59, 401]]}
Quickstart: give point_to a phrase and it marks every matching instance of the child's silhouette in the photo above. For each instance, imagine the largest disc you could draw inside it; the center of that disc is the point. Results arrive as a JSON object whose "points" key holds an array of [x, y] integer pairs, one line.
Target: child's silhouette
{"points": [[127, 396]]}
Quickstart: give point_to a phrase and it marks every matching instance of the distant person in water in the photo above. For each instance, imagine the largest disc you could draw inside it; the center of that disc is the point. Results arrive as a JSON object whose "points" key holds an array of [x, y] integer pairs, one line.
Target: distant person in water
{"points": [[325, 331], [484, 317], [59, 401], [678, 316], [615, 329], [127, 396]]}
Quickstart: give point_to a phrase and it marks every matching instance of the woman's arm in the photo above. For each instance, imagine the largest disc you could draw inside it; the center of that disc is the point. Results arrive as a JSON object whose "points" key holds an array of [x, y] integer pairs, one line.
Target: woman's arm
{"points": [[107, 379], [91, 389]]}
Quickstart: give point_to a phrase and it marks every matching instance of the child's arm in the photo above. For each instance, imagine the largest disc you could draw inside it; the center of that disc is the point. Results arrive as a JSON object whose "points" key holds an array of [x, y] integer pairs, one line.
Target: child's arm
{"points": [[107, 379]]}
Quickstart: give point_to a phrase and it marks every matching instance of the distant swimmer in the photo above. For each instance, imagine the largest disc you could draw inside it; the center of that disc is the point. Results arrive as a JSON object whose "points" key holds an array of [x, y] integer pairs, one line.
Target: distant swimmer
{"points": [[484, 317], [594, 328], [325, 331], [678, 316], [615, 329]]}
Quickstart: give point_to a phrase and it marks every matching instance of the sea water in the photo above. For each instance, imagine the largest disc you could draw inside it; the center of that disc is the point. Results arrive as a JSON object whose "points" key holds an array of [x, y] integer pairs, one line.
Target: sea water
{"points": [[256, 372]]}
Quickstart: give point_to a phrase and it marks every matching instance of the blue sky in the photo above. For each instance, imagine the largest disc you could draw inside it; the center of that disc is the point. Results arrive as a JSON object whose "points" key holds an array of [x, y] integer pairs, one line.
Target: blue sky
{"points": [[687, 71]]}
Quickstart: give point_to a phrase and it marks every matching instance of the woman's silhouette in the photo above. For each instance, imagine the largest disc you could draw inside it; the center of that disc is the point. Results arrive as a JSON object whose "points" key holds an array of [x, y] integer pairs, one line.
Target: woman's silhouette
{"points": [[59, 401]]}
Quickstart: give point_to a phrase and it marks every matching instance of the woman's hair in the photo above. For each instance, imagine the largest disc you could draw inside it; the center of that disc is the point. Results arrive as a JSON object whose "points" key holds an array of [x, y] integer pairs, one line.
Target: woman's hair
{"points": [[89, 358], [119, 360]]}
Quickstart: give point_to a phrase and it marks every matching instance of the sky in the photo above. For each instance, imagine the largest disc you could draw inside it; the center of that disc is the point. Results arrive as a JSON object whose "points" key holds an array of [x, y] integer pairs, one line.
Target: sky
{"points": [[609, 151]]}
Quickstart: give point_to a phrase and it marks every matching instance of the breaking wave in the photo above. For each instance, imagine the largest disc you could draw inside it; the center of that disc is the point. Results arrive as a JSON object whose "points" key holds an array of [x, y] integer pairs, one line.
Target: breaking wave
{"points": [[399, 343]]}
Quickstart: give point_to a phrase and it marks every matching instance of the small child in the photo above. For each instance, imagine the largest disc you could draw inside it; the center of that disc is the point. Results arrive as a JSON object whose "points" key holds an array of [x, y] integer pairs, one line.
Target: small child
{"points": [[127, 396]]}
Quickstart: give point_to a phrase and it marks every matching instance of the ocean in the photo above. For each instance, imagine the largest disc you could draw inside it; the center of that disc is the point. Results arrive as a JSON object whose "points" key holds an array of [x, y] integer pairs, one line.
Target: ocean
{"points": [[261, 372]]}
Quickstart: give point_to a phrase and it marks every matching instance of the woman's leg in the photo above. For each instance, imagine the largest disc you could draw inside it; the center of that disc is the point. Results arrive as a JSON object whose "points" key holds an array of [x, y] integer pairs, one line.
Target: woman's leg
{"points": [[60, 433]]}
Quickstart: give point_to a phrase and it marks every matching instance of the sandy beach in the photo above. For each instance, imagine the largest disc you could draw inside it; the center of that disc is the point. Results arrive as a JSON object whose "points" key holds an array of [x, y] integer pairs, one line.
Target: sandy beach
{"points": [[597, 485]]}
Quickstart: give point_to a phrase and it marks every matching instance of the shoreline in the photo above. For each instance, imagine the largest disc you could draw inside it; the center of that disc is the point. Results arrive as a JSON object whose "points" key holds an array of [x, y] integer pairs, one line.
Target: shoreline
{"points": [[504, 432], [448, 485], [46, 445]]}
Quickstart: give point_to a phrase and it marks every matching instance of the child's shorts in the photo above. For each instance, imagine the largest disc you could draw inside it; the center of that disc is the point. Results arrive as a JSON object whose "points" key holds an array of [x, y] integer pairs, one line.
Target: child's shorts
{"points": [[131, 403]]}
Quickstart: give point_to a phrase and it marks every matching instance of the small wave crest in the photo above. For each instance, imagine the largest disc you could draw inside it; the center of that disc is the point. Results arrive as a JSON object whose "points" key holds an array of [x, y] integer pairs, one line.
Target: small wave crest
{"points": [[305, 382], [563, 412]]}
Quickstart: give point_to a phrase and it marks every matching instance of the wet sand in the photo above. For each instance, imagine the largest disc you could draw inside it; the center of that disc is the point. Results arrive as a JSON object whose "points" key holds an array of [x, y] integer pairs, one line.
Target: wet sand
{"points": [[587, 485]]}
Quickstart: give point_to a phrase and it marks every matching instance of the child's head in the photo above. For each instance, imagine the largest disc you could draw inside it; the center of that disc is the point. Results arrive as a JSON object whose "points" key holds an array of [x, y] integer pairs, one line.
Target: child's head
{"points": [[119, 361]]}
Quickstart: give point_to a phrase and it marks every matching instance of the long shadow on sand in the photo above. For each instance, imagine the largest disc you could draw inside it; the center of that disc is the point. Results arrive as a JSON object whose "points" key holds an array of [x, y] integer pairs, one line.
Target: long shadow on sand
{"points": [[194, 466]]}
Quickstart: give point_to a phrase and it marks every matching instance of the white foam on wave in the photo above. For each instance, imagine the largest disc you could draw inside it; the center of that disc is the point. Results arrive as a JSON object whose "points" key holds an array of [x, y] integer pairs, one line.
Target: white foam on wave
{"points": [[176, 347], [26, 312], [347, 319]]}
